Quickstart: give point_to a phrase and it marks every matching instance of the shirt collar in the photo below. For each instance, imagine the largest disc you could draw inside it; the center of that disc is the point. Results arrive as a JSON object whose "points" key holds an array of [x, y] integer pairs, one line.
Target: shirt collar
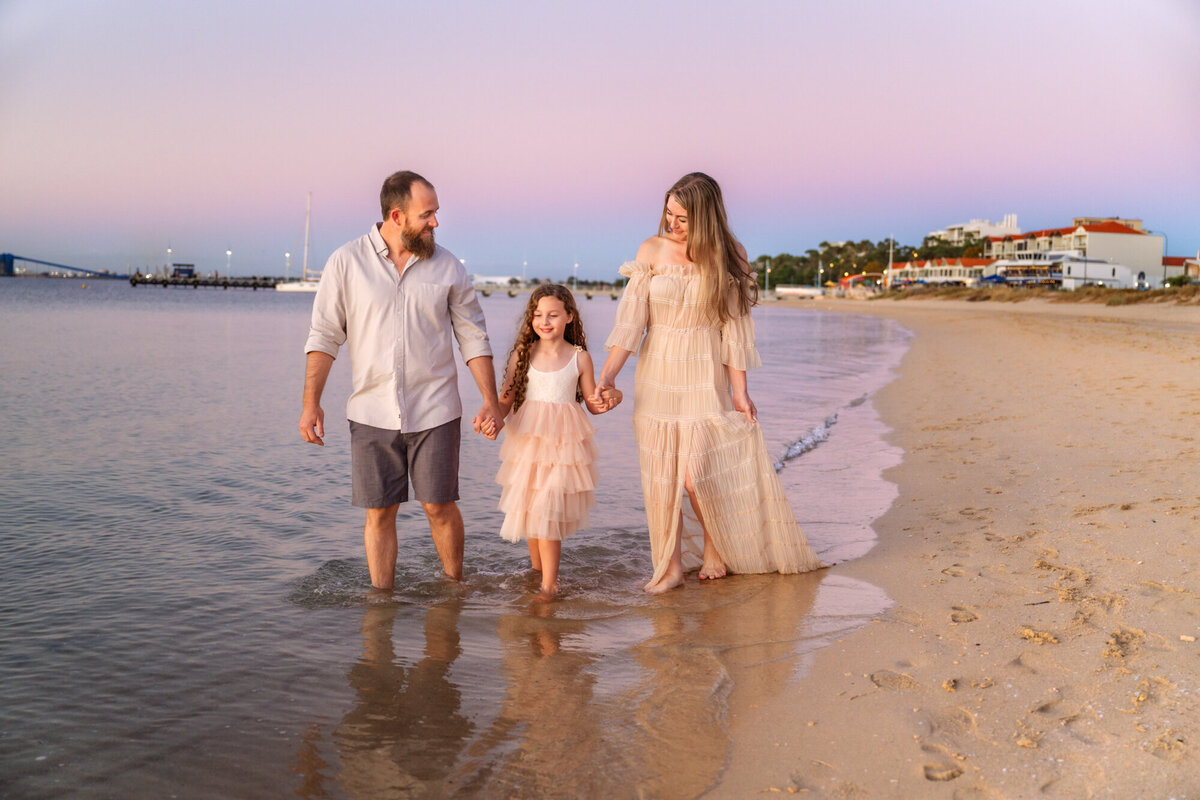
{"points": [[381, 246]]}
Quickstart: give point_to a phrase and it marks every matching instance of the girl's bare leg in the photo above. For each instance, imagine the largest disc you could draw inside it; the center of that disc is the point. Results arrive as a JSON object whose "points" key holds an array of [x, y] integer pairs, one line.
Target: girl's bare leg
{"points": [[550, 552], [535, 555]]}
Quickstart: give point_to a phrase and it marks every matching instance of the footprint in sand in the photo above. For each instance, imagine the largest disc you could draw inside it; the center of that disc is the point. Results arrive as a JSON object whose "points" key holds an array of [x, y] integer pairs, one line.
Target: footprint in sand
{"points": [[1169, 746], [1085, 726], [962, 614], [886, 679], [955, 571], [943, 767]]}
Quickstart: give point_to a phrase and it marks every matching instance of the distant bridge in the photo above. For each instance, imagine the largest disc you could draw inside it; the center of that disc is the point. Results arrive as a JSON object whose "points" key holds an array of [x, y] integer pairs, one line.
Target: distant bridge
{"points": [[7, 261]]}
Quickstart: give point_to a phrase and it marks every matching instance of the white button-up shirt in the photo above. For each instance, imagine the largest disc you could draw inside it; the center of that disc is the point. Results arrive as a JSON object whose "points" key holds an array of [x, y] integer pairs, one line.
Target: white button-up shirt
{"points": [[398, 328]]}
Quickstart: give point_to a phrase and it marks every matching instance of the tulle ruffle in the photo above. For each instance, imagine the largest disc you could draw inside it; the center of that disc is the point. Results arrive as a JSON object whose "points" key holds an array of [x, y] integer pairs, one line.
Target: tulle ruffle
{"points": [[547, 471]]}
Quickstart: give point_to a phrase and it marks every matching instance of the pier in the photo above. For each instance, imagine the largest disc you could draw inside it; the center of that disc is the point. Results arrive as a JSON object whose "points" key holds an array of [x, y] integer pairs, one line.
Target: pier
{"points": [[195, 282], [8, 269]]}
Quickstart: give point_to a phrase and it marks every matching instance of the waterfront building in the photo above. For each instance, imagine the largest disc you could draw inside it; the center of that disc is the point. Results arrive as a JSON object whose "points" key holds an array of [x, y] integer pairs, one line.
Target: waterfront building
{"points": [[942, 271], [980, 229], [503, 281], [1113, 239]]}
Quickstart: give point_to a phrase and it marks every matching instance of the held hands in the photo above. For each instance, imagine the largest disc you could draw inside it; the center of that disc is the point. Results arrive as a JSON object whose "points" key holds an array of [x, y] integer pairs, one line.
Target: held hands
{"points": [[606, 397], [489, 421], [610, 398]]}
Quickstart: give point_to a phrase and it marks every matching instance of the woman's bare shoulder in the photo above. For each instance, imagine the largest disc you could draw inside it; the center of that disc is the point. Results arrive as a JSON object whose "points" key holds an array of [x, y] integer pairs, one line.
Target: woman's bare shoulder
{"points": [[650, 251]]}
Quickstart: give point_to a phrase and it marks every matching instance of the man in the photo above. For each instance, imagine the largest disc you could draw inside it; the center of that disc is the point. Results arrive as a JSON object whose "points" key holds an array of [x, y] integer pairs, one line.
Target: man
{"points": [[395, 297]]}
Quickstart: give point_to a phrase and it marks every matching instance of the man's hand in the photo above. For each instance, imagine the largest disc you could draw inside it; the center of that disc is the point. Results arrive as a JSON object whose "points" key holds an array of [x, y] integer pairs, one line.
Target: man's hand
{"points": [[312, 425]]}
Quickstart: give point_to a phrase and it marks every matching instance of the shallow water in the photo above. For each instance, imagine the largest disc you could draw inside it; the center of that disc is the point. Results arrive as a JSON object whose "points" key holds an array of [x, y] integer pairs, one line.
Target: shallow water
{"points": [[185, 609]]}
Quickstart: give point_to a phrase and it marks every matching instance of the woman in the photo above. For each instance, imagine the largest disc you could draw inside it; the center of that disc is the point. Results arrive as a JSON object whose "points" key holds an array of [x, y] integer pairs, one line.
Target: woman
{"points": [[690, 291]]}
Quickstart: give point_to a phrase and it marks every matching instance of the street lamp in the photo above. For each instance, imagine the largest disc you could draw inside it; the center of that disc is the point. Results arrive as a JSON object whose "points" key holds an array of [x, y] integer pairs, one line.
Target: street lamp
{"points": [[524, 266], [287, 265], [228, 257], [767, 280], [575, 277]]}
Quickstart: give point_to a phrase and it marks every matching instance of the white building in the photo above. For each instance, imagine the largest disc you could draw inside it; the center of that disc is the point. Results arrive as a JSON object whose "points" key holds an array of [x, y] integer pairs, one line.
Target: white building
{"points": [[981, 229], [949, 271], [503, 281], [1069, 269], [1119, 241]]}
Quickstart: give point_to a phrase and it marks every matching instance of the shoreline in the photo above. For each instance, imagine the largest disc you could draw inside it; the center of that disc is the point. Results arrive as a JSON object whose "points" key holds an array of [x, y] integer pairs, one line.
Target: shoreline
{"points": [[1042, 640]]}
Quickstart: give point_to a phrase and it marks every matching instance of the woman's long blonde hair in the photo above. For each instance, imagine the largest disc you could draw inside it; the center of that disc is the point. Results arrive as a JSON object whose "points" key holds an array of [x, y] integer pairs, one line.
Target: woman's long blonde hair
{"points": [[523, 343], [728, 284]]}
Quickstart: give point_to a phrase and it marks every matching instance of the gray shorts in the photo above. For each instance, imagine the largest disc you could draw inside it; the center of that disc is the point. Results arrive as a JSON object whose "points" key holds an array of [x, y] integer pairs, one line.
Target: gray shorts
{"points": [[383, 462]]}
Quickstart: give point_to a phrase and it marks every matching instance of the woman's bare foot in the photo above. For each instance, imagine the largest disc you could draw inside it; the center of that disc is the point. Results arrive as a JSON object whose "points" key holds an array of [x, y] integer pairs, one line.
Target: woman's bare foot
{"points": [[672, 579], [712, 568]]}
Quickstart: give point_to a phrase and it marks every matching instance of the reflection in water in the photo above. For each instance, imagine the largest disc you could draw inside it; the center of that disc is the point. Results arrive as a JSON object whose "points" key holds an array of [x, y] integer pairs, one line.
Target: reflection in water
{"points": [[739, 636], [549, 738], [407, 728], [580, 698]]}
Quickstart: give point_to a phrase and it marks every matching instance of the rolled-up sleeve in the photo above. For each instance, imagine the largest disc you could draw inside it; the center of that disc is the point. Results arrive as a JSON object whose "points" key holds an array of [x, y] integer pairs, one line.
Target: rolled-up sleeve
{"points": [[466, 316], [327, 331], [634, 308], [737, 343]]}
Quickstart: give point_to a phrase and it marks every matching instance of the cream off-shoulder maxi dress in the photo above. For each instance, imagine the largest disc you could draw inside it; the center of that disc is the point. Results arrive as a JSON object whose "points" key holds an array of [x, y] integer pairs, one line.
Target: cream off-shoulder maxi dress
{"points": [[684, 422]]}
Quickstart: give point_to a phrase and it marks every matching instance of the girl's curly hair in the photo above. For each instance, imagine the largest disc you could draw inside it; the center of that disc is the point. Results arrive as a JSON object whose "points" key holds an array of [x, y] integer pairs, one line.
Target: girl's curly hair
{"points": [[523, 343]]}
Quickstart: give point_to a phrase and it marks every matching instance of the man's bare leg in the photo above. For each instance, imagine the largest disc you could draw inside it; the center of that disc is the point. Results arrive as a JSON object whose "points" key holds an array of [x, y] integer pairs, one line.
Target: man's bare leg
{"points": [[446, 527], [379, 535]]}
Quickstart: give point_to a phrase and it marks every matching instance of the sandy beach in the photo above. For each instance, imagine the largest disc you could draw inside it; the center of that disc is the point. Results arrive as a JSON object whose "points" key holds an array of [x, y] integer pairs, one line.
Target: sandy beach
{"points": [[1042, 559]]}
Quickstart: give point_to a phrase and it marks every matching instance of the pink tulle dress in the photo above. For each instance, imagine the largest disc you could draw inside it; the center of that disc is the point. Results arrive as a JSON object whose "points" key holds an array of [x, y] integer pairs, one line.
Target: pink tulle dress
{"points": [[547, 470]]}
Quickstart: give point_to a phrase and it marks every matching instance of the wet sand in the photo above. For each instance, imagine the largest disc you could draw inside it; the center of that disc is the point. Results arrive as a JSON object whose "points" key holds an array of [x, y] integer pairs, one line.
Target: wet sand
{"points": [[1042, 558]]}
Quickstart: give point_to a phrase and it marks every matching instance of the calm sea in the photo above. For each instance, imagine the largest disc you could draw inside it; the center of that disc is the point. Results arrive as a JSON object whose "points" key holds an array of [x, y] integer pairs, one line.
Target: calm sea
{"points": [[185, 609]]}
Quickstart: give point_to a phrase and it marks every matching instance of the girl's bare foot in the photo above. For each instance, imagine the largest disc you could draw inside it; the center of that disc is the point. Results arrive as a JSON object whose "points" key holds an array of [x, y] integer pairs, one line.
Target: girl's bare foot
{"points": [[547, 594], [672, 579]]}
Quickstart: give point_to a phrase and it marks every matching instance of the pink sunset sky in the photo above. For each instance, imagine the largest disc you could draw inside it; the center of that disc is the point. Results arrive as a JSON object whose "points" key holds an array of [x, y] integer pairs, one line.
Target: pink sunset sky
{"points": [[552, 129]]}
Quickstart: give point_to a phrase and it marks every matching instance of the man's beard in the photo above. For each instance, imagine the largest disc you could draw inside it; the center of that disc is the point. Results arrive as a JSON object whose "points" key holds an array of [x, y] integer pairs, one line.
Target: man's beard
{"points": [[419, 245]]}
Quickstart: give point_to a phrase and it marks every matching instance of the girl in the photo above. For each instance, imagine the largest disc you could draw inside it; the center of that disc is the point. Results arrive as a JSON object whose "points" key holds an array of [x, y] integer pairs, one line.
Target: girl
{"points": [[547, 470]]}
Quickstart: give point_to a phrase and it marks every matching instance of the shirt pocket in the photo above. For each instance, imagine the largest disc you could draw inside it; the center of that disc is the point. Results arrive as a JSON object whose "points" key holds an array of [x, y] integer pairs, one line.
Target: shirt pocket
{"points": [[430, 302]]}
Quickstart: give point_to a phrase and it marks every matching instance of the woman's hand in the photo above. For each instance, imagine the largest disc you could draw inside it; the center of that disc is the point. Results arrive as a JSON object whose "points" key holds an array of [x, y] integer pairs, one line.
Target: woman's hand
{"points": [[743, 403]]}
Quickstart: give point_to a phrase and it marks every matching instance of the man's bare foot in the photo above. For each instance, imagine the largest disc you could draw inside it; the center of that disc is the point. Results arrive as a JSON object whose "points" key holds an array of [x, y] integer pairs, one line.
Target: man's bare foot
{"points": [[672, 580], [713, 569]]}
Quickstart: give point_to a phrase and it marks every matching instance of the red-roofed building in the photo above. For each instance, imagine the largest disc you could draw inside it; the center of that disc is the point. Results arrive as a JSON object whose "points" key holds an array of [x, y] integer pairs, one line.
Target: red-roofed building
{"points": [[1113, 239], [1181, 265], [949, 271]]}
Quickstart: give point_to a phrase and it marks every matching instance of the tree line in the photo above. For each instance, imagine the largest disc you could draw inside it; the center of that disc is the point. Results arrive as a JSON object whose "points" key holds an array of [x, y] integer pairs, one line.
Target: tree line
{"points": [[830, 261]]}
